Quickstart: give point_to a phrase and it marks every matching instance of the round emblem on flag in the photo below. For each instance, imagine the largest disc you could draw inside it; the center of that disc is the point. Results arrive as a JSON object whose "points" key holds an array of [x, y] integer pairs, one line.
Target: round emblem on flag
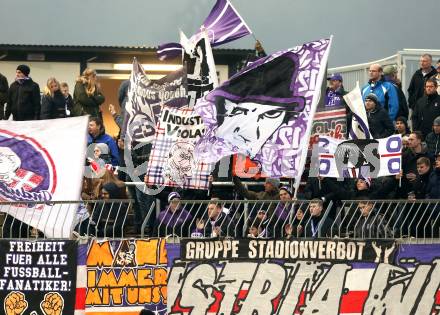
{"points": [[27, 171]]}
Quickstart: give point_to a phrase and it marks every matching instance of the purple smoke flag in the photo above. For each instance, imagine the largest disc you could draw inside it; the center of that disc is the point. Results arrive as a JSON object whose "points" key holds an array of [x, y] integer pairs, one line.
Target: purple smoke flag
{"points": [[266, 110], [222, 25]]}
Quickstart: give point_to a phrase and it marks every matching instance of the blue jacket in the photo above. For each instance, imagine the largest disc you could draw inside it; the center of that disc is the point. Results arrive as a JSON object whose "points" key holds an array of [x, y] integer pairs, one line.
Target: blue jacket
{"points": [[386, 93], [105, 138]]}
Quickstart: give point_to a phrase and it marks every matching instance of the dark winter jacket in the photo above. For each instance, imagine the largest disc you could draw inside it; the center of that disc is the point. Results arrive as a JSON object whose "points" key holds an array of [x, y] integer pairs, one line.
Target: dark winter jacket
{"points": [[403, 104], [318, 227], [3, 94], [379, 122], [433, 143], [23, 100], [433, 186], [53, 106], [223, 222], [426, 110], [416, 87], [420, 185], [371, 226], [85, 104]]}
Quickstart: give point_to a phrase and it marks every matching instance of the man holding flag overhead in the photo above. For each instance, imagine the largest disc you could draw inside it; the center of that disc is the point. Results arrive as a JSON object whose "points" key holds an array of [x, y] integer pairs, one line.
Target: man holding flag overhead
{"points": [[223, 25]]}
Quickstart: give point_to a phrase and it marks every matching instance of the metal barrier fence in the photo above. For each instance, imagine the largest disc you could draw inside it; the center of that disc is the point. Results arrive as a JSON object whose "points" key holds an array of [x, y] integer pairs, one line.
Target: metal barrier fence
{"points": [[92, 218], [406, 60], [412, 221]]}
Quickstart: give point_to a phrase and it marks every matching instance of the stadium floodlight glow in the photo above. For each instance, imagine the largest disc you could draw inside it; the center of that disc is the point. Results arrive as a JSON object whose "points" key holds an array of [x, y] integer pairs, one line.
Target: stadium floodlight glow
{"points": [[148, 67]]}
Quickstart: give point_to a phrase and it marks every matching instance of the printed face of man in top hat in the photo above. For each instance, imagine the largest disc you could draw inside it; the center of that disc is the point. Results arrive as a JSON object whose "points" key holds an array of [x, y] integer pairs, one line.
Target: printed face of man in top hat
{"points": [[255, 104], [250, 125]]}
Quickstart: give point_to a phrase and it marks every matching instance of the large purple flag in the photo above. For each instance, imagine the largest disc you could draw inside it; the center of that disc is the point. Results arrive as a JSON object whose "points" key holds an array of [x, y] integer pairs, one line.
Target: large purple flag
{"points": [[222, 25], [266, 110]]}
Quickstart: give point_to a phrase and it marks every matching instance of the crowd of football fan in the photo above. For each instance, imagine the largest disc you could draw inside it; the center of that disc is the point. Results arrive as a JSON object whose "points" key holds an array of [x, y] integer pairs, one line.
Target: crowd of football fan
{"points": [[416, 118]]}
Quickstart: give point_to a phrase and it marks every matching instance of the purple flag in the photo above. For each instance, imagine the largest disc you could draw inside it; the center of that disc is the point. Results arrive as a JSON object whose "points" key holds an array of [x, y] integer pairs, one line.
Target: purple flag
{"points": [[266, 110], [222, 25]]}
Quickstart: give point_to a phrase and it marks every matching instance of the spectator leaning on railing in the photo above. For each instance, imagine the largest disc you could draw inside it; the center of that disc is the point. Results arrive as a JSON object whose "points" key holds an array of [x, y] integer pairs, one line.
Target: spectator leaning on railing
{"points": [[214, 222], [173, 220]]}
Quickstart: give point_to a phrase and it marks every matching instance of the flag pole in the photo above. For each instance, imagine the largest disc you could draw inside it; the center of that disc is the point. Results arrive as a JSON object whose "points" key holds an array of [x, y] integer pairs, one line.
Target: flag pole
{"points": [[304, 143]]}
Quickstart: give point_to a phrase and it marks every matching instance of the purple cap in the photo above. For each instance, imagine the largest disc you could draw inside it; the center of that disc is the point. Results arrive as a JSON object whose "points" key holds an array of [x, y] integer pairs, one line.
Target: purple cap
{"points": [[335, 76]]}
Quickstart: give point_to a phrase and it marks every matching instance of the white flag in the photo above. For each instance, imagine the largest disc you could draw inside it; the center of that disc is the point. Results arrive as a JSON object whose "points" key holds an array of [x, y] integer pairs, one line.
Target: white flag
{"points": [[200, 67], [359, 125], [360, 158], [43, 161]]}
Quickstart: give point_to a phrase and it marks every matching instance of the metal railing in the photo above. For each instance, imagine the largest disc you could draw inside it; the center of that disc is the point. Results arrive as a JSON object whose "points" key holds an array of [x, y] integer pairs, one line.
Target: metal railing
{"points": [[412, 221], [64, 219], [406, 60]]}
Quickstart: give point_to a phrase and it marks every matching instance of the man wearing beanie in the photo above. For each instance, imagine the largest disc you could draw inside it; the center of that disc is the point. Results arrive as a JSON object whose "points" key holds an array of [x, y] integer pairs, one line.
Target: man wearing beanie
{"points": [[23, 97], [433, 138], [271, 191], [385, 91], [427, 108], [378, 119]]}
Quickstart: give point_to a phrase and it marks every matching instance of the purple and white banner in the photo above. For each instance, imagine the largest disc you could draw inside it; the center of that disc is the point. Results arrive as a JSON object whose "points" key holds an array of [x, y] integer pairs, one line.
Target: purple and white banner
{"points": [[145, 99], [223, 25], [359, 125], [172, 161], [40, 162], [200, 68], [265, 111], [360, 158]]}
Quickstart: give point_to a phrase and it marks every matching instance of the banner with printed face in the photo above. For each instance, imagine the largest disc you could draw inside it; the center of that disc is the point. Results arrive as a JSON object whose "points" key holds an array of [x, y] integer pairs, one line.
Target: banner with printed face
{"points": [[126, 276], [266, 110], [145, 98], [172, 161], [304, 276], [38, 277], [42, 161], [360, 158]]}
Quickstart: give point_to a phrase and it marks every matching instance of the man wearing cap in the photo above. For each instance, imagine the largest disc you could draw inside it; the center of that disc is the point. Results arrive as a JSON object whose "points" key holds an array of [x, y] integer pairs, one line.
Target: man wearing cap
{"points": [[390, 75], [3, 94], [23, 96], [378, 119], [385, 91], [415, 89], [335, 91], [433, 138], [427, 108]]}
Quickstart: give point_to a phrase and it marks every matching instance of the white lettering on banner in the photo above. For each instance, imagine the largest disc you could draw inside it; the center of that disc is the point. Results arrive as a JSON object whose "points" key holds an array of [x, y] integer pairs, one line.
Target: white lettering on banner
{"points": [[317, 288]]}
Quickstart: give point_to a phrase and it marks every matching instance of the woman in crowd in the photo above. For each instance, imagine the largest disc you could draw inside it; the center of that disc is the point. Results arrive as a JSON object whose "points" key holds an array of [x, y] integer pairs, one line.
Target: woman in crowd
{"points": [[87, 96], [173, 219], [53, 104], [109, 217]]}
